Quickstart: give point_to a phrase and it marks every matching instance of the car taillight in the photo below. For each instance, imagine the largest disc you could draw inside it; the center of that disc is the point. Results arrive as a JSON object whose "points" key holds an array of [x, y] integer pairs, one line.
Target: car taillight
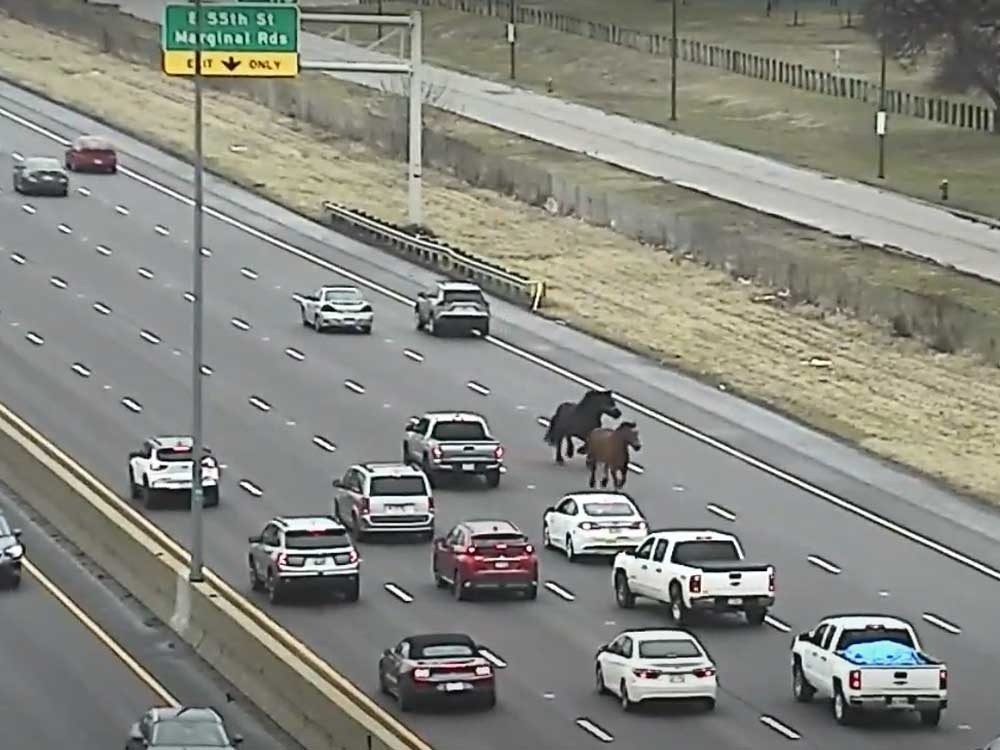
{"points": [[436, 451], [943, 680], [470, 550], [483, 671], [694, 584], [637, 525], [421, 674], [588, 526], [646, 674], [281, 560], [352, 557], [854, 679], [498, 452], [703, 671], [770, 581], [529, 549], [366, 504]]}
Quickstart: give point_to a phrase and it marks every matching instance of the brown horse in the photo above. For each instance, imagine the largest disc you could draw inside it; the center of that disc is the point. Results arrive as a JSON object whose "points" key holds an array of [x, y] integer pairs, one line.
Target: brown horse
{"points": [[610, 449]]}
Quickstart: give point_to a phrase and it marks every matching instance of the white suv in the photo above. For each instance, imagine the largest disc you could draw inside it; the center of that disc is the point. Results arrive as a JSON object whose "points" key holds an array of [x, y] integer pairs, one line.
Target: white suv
{"points": [[304, 552], [164, 464], [376, 498]]}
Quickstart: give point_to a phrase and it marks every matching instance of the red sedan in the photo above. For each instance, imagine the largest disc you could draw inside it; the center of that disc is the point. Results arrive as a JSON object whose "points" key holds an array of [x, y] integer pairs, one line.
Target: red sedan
{"points": [[91, 153], [485, 554]]}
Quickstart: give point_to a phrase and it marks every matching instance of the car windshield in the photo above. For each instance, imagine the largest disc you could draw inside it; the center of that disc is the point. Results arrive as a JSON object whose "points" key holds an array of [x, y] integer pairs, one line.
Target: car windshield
{"points": [[342, 295], [413, 486], [463, 296], [714, 551], [668, 649], [189, 734], [853, 637], [316, 539], [4, 527], [42, 165], [445, 651], [92, 143], [459, 431], [608, 509]]}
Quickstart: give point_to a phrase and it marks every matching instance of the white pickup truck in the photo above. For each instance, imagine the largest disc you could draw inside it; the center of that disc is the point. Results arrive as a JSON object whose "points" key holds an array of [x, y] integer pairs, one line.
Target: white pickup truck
{"points": [[694, 571], [821, 667]]}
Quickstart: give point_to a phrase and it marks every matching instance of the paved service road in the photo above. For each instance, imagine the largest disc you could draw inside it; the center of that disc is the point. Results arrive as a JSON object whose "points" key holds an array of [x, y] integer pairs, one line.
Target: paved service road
{"points": [[85, 276], [65, 686], [841, 207]]}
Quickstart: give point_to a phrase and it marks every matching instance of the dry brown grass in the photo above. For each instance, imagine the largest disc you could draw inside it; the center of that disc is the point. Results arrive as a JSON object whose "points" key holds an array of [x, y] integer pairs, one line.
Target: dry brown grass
{"points": [[938, 413]]}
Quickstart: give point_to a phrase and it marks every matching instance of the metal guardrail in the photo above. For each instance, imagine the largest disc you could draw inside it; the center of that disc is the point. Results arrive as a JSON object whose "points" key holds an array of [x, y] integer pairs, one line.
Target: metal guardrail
{"points": [[438, 255]]}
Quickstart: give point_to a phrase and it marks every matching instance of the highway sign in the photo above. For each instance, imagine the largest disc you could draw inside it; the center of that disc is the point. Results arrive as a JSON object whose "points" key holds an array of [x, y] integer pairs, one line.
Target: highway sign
{"points": [[258, 40]]}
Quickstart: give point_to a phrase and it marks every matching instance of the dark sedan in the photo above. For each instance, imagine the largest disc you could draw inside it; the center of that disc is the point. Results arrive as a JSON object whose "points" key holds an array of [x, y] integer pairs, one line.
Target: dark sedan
{"points": [[168, 728], [435, 669], [11, 555], [40, 175]]}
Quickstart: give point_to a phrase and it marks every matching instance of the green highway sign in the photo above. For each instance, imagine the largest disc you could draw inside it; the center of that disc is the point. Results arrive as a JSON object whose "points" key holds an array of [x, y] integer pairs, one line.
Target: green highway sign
{"points": [[237, 27]]}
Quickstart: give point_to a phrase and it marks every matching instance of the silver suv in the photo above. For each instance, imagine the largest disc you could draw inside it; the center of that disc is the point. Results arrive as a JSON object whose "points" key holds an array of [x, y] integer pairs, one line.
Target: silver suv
{"points": [[302, 552], [377, 498]]}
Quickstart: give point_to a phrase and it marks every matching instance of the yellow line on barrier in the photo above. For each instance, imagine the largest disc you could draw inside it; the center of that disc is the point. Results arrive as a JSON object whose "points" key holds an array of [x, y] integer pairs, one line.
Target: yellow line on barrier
{"points": [[102, 635]]}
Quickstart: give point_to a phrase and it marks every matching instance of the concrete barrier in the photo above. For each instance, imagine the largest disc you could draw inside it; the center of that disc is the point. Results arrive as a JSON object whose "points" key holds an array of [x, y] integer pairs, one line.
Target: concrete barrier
{"points": [[317, 706]]}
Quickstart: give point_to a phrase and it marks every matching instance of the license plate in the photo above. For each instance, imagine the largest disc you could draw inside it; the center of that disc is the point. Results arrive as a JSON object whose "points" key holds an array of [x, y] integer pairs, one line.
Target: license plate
{"points": [[501, 565], [399, 508], [677, 678], [468, 467], [454, 687], [348, 320], [734, 601], [98, 161], [317, 561], [900, 701]]}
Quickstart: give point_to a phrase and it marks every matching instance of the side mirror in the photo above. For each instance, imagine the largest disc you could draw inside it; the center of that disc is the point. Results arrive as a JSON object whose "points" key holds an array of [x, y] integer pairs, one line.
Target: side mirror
{"points": [[387, 653], [550, 509], [804, 637], [337, 483], [236, 739], [17, 533], [421, 295], [134, 734], [255, 539], [439, 541]]}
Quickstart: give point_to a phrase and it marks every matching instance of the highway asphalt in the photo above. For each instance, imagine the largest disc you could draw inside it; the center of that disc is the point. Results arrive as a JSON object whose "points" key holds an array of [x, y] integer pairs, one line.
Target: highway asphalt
{"points": [[841, 207], [65, 687], [85, 276]]}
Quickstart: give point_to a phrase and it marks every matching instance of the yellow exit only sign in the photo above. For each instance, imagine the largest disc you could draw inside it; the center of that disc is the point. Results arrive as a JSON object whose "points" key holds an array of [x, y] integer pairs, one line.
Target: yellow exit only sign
{"points": [[233, 64]]}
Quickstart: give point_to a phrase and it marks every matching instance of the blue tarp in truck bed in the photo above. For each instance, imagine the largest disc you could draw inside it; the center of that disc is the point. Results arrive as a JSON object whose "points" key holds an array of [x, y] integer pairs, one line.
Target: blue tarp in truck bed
{"points": [[882, 654]]}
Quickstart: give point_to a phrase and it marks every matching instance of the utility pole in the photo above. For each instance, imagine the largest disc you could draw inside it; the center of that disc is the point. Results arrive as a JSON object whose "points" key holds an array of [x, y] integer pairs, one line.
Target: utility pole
{"points": [[673, 60], [881, 116], [512, 38]]}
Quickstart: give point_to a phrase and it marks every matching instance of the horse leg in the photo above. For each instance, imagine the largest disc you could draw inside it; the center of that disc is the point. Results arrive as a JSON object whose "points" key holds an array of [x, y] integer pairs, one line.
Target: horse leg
{"points": [[604, 479], [559, 455], [592, 465], [622, 474], [569, 446]]}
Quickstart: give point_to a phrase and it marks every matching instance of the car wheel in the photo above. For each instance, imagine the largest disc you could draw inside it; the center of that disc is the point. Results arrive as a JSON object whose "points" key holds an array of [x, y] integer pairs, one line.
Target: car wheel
{"points": [[458, 586], [367, 330], [133, 488], [843, 713], [439, 581], [406, 699], [210, 497], [317, 326], [64, 193], [531, 593], [679, 612], [420, 322], [356, 530], [484, 331], [570, 551], [930, 717], [255, 583], [546, 537], [709, 704], [302, 314], [623, 594], [493, 478], [149, 498], [801, 688], [407, 458], [627, 704], [490, 700], [353, 591], [273, 586], [432, 328], [15, 581], [600, 684], [425, 465], [756, 616]]}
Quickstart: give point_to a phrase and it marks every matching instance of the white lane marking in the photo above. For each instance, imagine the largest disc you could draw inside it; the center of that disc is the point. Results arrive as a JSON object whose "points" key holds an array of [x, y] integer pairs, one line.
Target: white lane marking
{"points": [[259, 403], [64, 229], [150, 337], [352, 386], [205, 251], [492, 658], [941, 623], [132, 405], [777, 624], [83, 191], [101, 308], [595, 731], [58, 283], [241, 324], [543, 421], [397, 592], [121, 210], [720, 511], [250, 488], [34, 338], [295, 354], [559, 591], [637, 468], [16, 156], [103, 250], [81, 369], [206, 370], [826, 565], [18, 258], [296, 297], [482, 390], [323, 443], [663, 419], [189, 296], [28, 209], [782, 729], [249, 273], [883, 593], [161, 230], [145, 273], [415, 356], [678, 488], [290, 423]]}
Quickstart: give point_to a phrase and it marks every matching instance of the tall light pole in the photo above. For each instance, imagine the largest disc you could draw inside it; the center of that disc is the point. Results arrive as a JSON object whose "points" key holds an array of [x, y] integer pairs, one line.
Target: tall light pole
{"points": [[197, 492], [881, 116], [512, 38], [673, 60]]}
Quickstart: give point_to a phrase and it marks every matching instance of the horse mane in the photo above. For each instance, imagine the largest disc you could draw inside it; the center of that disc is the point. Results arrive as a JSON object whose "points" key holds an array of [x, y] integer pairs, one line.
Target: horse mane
{"points": [[627, 426]]}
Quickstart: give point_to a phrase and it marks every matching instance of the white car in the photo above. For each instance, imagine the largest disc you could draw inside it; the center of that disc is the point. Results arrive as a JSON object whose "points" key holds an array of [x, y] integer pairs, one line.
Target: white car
{"points": [[593, 523], [336, 307], [164, 464], [656, 664], [384, 498]]}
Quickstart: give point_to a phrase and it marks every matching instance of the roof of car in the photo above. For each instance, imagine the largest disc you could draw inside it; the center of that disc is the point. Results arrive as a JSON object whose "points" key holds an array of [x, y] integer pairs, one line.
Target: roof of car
{"points": [[420, 642], [93, 142], [309, 523], [861, 621], [459, 286], [656, 634], [339, 288], [455, 416], [695, 535], [490, 525], [192, 713], [599, 496], [391, 469]]}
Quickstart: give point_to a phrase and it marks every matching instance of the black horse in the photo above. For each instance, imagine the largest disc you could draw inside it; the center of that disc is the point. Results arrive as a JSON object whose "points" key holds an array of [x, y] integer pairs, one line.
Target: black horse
{"points": [[578, 420]]}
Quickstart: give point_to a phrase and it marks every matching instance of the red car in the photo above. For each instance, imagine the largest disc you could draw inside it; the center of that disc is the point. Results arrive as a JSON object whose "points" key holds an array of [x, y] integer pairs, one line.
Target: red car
{"points": [[485, 554], [91, 153]]}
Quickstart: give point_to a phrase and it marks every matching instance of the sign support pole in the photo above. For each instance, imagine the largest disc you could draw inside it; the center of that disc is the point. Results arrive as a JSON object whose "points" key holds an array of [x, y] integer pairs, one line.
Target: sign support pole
{"points": [[416, 124]]}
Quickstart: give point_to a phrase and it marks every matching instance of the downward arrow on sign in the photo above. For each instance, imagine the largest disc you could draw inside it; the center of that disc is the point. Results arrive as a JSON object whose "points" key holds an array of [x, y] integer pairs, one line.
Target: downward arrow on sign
{"points": [[231, 64]]}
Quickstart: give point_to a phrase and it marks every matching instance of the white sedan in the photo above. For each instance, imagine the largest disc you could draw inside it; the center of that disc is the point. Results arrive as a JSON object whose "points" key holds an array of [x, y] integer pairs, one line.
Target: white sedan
{"points": [[593, 523], [647, 664]]}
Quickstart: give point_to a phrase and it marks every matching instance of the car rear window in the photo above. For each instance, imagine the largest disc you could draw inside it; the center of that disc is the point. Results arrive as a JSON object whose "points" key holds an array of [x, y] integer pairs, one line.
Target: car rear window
{"points": [[181, 733], [342, 295], [608, 509], [464, 297], [498, 537], [300, 539], [459, 431], [94, 144], [853, 637], [444, 651], [716, 551], [409, 486], [174, 454], [668, 649]]}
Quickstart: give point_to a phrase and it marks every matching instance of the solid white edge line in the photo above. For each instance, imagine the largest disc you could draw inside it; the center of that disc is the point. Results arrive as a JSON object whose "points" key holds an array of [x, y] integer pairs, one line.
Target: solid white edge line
{"points": [[940, 622], [777, 624], [779, 727], [684, 429], [826, 565], [492, 658], [593, 730], [397, 592], [559, 591], [720, 511]]}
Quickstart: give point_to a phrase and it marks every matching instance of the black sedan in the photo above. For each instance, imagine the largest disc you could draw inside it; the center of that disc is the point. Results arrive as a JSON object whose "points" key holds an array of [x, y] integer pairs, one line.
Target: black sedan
{"points": [[435, 669], [11, 554], [40, 175], [169, 728]]}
